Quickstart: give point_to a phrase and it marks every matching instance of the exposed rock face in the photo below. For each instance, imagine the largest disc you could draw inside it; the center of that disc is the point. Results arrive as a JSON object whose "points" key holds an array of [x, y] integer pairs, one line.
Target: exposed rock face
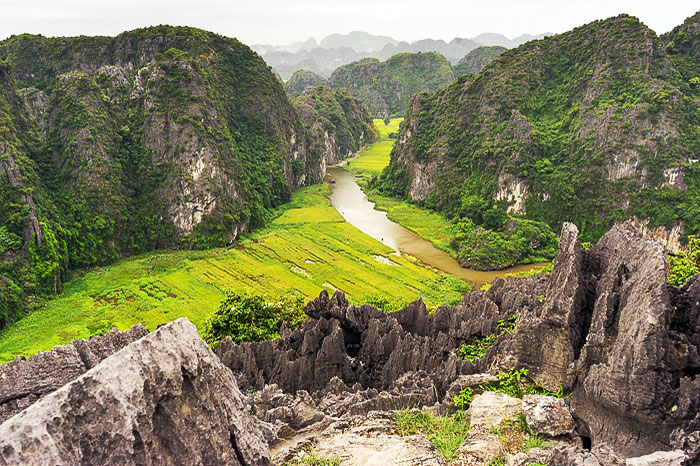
{"points": [[604, 325], [24, 381], [165, 399], [339, 123], [491, 408]]}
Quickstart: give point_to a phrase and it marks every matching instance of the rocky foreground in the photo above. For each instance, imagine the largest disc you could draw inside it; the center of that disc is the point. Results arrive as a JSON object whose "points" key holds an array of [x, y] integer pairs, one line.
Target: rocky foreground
{"points": [[605, 326]]}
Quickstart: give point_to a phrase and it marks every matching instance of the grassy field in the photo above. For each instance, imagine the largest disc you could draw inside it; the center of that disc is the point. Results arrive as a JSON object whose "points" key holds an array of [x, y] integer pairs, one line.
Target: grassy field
{"points": [[372, 159], [307, 248]]}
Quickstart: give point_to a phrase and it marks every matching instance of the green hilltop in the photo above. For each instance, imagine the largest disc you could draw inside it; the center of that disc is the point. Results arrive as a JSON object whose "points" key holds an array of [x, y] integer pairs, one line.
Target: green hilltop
{"points": [[387, 87], [592, 126]]}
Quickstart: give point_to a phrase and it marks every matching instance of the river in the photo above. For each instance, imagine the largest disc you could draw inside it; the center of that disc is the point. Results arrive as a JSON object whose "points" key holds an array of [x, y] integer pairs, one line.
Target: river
{"points": [[352, 203]]}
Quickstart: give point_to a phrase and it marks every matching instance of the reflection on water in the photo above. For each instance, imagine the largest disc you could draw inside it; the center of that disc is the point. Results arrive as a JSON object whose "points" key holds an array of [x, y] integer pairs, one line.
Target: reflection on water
{"points": [[353, 205]]}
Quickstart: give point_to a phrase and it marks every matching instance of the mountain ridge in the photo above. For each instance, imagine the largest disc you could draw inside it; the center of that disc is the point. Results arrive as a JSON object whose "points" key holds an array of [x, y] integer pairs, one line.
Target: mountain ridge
{"points": [[592, 126]]}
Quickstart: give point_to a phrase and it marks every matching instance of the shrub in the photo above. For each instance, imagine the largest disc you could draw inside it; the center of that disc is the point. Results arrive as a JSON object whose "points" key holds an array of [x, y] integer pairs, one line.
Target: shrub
{"points": [[248, 317], [517, 383], [478, 347], [313, 459], [683, 266]]}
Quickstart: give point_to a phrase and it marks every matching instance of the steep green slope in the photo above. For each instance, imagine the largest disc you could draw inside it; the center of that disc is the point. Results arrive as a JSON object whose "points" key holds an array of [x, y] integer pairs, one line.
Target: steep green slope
{"points": [[592, 126], [683, 48], [477, 59], [302, 80], [160, 137], [387, 87], [339, 123], [31, 257]]}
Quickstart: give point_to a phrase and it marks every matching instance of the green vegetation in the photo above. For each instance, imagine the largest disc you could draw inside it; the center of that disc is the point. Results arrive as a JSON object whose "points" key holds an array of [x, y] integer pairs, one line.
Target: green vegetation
{"points": [[517, 383], [302, 80], [247, 317], [592, 124], [335, 115], [387, 87], [313, 459], [147, 155], [305, 249], [685, 265], [477, 59], [478, 347], [535, 441], [446, 433], [375, 157], [501, 243], [495, 245]]}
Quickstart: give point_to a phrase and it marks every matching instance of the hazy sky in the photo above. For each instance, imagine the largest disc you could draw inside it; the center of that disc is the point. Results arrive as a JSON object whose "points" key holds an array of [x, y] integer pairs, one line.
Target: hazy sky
{"points": [[285, 21]]}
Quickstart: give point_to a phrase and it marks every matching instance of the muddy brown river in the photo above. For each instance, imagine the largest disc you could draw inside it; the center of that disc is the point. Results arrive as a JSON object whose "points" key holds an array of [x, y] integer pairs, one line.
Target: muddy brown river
{"points": [[352, 203]]}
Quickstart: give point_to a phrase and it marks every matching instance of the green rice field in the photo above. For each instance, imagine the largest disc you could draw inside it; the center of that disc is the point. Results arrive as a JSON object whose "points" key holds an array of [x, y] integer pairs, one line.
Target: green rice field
{"points": [[307, 248]]}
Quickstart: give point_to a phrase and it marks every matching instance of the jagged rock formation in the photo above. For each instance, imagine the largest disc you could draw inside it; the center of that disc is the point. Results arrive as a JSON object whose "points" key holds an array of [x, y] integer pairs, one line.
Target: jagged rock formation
{"points": [[592, 126], [477, 59], [387, 87], [339, 122], [165, 399], [605, 325], [303, 80], [157, 138], [24, 381]]}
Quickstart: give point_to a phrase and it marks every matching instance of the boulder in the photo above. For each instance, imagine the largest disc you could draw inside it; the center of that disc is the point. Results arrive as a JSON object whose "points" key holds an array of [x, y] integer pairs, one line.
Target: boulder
{"points": [[491, 408], [481, 447], [570, 455], [659, 458], [528, 458], [164, 399], [25, 380], [548, 416]]}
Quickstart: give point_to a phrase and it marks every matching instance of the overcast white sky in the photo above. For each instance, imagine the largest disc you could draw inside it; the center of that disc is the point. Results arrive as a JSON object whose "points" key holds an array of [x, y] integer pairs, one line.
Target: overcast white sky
{"points": [[286, 21]]}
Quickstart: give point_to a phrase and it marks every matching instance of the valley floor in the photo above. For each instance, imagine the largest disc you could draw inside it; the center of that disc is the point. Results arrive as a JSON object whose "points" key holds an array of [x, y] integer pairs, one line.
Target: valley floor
{"points": [[308, 247]]}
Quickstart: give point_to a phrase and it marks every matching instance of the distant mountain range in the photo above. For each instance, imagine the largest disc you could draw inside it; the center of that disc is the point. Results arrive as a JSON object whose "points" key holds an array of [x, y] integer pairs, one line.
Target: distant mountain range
{"points": [[340, 49]]}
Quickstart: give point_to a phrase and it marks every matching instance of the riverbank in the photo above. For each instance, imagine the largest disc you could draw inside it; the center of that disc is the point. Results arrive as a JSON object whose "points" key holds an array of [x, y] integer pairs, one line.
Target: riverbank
{"points": [[426, 223]]}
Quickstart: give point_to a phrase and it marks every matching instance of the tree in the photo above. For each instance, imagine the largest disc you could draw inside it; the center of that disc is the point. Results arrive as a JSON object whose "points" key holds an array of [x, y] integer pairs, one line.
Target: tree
{"points": [[248, 317], [683, 266]]}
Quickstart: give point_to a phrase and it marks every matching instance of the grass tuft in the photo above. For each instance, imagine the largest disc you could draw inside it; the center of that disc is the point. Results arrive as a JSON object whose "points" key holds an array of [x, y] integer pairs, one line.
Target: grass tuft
{"points": [[446, 433]]}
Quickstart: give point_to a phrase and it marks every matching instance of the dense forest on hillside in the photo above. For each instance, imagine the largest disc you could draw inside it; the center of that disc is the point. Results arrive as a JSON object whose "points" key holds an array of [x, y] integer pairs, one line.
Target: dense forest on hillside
{"points": [[477, 59], [339, 123], [592, 126], [387, 87], [118, 145]]}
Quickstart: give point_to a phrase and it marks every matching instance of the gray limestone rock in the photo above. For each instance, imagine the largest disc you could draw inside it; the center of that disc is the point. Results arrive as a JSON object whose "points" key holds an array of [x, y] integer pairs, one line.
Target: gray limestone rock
{"points": [[24, 381], [164, 399], [604, 325], [659, 458], [548, 415]]}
